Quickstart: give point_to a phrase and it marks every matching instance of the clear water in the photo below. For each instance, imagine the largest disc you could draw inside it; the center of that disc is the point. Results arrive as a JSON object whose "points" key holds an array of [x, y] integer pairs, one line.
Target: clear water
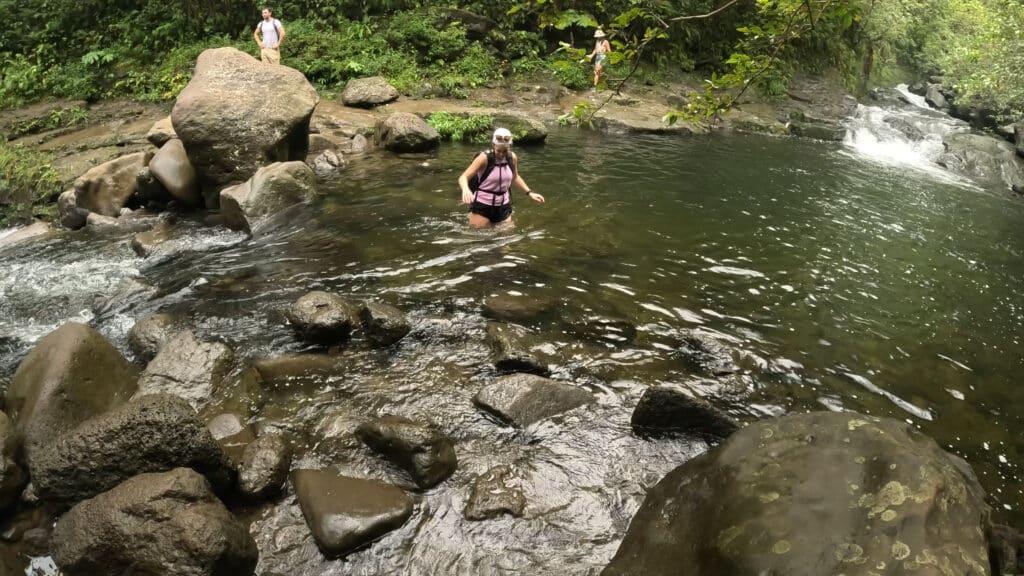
{"points": [[846, 282]]}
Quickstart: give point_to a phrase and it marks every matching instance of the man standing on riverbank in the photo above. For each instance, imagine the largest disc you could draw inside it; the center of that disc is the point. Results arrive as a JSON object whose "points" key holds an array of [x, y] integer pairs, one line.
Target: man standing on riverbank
{"points": [[273, 33]]}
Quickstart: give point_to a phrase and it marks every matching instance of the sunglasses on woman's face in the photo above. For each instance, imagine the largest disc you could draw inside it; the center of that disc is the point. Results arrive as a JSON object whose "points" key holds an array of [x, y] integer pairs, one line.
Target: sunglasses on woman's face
{"points": [[503, 138]]}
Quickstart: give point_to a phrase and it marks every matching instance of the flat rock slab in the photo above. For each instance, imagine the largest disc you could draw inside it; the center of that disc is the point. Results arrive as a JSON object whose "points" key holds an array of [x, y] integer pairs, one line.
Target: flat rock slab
{"points": [[164, 523], [418, 448], [344, 513], [522, 399]]}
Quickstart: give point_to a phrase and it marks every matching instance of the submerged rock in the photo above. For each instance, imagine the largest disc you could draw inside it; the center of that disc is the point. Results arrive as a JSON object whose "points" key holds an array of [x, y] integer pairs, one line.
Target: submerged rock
{"points": [[154, 433], [522, 399], [811, 494], [419, 449], [384, 324], [70, 376], [237, 114], [265, 465], [128, 293], [516, 308], [187, 368], [105, 189], [493, 495], [163, 523], [667, 410], [145, 243], [328, 164], [272, 189], [298, 373], [322, 317], [707, 353], [511, 351], [233, 435], [368, 92], [346, 513], [148, 335], [406, 132]]}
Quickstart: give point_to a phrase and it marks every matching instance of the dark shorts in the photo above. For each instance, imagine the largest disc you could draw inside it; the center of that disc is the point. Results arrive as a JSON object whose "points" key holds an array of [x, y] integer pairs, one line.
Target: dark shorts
{"points": [[496, 213]]}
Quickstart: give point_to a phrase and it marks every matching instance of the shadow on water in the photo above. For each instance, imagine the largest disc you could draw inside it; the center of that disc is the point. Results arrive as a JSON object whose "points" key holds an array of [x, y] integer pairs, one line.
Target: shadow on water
{"points": [[843, 283]]}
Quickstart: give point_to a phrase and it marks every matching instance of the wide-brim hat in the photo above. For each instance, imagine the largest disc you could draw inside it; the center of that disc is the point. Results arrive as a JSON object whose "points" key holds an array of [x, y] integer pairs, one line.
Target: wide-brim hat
{"points": [[599, 33]]}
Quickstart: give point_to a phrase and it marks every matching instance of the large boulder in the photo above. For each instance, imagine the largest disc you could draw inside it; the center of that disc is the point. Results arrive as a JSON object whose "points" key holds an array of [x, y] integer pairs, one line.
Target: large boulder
{"points": [[322, 317], [346, 513], [405, 132], [149, 334], [188, 368], [171, 166], [106, 188], [384, 324], [419, 449], [161, 132], [522, 399], [812, 494], [12, 475], [272, 189], [237, 114], [934, 97], [368, 92], [668, 410], [707, 353], [164, 523], [154, 433], [990, 162], [70, 376]]}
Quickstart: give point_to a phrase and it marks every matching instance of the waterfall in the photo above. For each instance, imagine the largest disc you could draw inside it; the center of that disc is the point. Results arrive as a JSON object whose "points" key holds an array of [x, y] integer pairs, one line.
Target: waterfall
{"points": [[904, 132]]}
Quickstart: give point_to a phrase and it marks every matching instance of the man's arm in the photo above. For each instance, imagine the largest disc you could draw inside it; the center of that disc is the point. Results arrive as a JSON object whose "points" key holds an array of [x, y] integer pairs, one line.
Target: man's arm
{"points": [[280, 34], [256, 35]]}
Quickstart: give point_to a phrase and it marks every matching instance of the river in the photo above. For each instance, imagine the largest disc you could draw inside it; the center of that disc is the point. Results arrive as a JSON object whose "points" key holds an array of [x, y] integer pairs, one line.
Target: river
{"points": [[846, 280]]}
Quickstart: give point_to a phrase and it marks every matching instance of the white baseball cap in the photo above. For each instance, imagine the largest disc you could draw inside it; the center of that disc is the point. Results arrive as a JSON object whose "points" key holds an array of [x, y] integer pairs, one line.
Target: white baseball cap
{"points": [[504, 134]]}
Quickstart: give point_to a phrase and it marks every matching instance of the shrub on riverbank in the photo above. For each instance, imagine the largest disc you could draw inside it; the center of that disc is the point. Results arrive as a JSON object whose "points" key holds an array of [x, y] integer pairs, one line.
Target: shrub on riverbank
{"points": [[28, 184], [458, 128]]}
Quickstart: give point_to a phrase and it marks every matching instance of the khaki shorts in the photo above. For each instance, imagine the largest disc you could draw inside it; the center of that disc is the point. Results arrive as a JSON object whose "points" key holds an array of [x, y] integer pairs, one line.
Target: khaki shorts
{"points": [[270, 55]]}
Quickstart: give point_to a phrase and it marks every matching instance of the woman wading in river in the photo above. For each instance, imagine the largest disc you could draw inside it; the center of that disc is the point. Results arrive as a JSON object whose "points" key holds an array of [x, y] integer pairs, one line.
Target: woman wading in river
{"points": [[487, 183]]}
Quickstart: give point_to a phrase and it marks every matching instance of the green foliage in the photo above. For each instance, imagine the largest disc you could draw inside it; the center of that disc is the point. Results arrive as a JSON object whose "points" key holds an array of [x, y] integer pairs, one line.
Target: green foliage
{"points": [[28, 184], [57, 118], [458, 128]]}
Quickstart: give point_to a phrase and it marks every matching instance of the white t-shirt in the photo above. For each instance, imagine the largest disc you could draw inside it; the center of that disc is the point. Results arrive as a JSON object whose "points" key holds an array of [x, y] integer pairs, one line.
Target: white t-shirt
{"points": [[269, 31]]}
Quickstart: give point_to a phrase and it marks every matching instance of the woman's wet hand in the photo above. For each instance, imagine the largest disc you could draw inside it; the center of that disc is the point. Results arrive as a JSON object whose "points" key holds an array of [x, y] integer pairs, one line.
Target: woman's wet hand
{"points": [[536, 197], [467, 197]]}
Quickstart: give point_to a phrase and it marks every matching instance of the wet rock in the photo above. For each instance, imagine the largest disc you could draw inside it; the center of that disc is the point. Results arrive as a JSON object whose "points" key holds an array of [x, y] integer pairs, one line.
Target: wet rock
{"points": [[1018, 137], [419, 449], [749, 122], [150, 191], [323, 317], [106, 188], [36, 541], [171, 166], [233, 435], [511, 352], [161, 132], [667, 410], [1005, 550], [12, 475], [707, 353], [145, 243], [368, 92], [163, 523], [522, 399], [405, 132], [494, 494], [384, 324], [810, 494], [988, 161], [187, 368], [918, 88], [34, 230], [516, 308], [335, 436], [102, 223], [606, 330], [359, 144], [72, 216], [267, 119], [346, 513], [905, 127], [328, 164], [298, 372], [264, 468], [70, 376], [826, 132], [1006, 132], [525, 131], [934, 97], [154, 433], [272, 189]]}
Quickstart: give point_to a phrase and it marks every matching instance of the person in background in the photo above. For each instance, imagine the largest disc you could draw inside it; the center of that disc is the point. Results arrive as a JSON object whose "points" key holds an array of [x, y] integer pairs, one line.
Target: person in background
{"points": [[496, 170], [601, 49], [272, 31]]}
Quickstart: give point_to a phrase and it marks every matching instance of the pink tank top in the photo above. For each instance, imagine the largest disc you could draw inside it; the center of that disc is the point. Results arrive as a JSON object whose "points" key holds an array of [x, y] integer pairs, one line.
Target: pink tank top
{"points": [[494, 190]]}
